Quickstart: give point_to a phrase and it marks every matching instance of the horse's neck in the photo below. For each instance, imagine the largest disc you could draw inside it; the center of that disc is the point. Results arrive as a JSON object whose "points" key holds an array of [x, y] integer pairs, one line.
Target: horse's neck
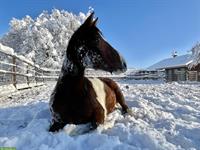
{"points": [[71, 75], [71, 69]]}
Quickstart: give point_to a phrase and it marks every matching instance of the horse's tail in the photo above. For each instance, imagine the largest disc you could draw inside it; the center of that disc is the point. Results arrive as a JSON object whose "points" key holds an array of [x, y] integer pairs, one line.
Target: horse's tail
{"points": [[119, 96]]}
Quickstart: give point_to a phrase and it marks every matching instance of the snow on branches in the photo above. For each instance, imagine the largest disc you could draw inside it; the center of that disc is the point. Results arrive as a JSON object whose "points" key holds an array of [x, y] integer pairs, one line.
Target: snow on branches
{"points": [[44, 39], [196, 55]]}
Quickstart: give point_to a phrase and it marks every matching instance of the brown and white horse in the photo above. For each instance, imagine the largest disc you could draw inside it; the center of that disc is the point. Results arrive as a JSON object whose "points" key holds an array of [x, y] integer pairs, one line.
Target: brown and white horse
{"points": [[77, 99]]}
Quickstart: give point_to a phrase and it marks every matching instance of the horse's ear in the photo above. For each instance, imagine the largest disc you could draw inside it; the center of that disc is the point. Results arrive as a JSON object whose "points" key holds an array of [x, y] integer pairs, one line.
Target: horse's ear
{"points": [[89, 20], [94, 23]]}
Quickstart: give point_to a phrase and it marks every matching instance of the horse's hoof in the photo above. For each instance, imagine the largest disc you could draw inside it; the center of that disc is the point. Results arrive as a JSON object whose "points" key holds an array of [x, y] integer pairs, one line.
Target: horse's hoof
{"points": [[55, 127], [52, 129], [93, 126], [125, 111]]}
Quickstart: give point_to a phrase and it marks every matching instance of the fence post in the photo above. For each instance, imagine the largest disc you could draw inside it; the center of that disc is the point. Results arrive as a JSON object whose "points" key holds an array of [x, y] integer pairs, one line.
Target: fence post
{"points": [[35, 75], [43, 76], [14, 71], [27, 77]]}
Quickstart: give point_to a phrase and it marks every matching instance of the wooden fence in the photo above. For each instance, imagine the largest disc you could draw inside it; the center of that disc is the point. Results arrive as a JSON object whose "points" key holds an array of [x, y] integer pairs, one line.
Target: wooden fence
{"points": [[16, 72]]}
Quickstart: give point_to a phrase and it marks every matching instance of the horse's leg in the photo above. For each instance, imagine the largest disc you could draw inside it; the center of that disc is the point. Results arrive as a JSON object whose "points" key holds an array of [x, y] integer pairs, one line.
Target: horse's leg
{"points": [[120, 99], [55, 126], [119, 96], [98, 117]]}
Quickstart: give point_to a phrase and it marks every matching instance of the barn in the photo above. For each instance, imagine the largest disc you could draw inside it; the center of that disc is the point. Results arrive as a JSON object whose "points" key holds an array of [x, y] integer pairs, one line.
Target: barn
{"points": [[177, 68]]}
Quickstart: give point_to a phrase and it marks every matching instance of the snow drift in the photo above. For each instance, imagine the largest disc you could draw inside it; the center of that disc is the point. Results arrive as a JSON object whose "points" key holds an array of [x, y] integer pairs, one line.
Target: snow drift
{"points": [[164, 116]]}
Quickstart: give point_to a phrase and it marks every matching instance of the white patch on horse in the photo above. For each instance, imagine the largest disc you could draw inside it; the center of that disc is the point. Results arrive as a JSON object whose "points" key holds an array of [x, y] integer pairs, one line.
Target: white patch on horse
{"points": [[99, 89]]}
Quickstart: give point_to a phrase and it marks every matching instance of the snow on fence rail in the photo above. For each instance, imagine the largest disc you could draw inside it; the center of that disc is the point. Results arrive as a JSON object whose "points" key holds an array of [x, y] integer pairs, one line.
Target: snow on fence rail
{"points": [[17, 71]]}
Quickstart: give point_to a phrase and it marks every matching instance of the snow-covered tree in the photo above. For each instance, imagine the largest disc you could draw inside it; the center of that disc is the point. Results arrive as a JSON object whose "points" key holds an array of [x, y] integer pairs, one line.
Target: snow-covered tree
{"points": [[43, 39], [196, 55]]}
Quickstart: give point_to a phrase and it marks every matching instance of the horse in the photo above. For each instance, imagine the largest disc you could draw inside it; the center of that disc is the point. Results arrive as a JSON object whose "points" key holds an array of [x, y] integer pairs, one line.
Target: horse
{"points": [[77, 99]]}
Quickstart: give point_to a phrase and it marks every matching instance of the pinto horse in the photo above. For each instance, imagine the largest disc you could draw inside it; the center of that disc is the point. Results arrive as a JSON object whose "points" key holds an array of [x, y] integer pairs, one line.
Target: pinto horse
{"points": [[77, 99]]}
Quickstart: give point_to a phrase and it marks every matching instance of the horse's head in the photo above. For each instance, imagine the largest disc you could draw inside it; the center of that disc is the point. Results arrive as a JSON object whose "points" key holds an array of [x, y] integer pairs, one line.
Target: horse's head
{"points": [[87, 48]]}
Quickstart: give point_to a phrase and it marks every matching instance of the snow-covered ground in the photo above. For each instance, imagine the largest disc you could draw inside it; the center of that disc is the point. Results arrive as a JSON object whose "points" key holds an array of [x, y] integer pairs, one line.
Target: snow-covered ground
{"points": [[164, 116]]}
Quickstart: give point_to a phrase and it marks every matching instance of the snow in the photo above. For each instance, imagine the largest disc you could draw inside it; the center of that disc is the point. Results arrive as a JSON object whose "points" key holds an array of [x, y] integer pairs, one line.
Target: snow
{"points": [[100, 73], [9, 51], [43, 39], [6, 49], [163, 116], [22, 58], [5, 89], [196, 55], [50, 70], [177, 61]]}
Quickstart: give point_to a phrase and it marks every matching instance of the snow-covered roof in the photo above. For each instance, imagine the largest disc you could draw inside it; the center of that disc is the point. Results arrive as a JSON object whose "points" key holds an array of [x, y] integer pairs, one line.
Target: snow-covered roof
{"points": [[178, 61]]}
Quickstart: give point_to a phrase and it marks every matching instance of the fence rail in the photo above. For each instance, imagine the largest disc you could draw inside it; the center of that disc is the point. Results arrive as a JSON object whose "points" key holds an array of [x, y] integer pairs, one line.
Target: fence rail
{"points": [[15, 70]]}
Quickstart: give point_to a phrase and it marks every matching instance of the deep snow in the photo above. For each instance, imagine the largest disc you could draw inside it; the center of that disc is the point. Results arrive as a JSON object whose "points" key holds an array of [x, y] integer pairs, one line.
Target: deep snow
{"points": [[164, 116]]}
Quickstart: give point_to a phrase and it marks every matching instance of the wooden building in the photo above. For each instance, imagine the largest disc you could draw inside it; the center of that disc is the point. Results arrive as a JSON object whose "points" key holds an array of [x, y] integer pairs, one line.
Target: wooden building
{"points": [[177, 68]]}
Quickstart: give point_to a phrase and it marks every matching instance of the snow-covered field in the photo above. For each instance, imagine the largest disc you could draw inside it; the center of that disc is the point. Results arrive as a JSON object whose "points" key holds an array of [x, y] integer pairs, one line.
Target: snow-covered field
{"points": [[164, 116]]}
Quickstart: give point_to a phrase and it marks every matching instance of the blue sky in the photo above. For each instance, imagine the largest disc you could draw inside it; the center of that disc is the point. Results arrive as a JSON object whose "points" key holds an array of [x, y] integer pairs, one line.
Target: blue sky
{"points": [[144, 31]]}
